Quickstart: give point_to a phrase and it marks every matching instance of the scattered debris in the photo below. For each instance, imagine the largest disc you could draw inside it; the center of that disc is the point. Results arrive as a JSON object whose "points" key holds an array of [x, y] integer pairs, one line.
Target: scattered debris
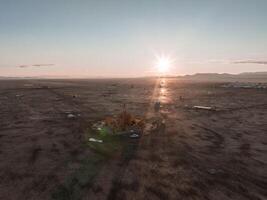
{"points": [[203, 107], [155, 124], [248, 85], [148, 128], [161, 84], [157, 106], [102, 128], [212, 171], [134, 135], [57, 99], [95, 140], [98, 125], [28, 85], [44, 87], [215, 171], [71, 116]]}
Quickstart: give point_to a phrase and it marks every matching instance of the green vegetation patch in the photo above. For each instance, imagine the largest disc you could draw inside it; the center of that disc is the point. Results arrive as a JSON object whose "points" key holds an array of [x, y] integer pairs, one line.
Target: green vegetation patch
{"points": [[83, 178]]}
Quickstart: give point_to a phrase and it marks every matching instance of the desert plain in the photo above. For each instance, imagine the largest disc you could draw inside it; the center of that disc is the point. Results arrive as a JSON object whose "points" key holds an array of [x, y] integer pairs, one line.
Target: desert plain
{"points": [[215, 154]]}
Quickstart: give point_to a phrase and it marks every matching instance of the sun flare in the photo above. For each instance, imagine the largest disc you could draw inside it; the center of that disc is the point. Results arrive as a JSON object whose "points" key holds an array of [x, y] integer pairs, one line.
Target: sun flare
{"points": [[163, 64]]}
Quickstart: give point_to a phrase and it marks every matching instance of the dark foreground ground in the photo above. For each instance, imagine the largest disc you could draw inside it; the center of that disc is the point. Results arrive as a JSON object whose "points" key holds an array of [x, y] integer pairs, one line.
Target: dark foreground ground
{"points": [[196, 154]]}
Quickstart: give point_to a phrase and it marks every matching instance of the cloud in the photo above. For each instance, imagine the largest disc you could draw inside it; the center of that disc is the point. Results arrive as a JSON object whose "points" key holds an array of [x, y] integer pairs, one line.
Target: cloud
{"points": [[260, 62], [216, 61], [36, 65], [23, 66], [213, 61]]}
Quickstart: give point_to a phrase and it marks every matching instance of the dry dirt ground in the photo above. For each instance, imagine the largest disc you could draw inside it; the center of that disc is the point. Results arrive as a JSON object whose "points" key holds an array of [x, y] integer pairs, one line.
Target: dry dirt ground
{"points": [[194, 154]]}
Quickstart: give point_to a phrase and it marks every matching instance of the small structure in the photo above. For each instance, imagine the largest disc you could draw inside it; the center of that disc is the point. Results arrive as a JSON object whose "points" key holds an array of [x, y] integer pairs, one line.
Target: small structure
{"points": [[124, 123]]}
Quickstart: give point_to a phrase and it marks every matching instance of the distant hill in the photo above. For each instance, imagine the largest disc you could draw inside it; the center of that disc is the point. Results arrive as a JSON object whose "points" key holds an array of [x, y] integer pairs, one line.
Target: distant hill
{"points": [[33, 77], [8, 77], [215, 77], [242, 77]]}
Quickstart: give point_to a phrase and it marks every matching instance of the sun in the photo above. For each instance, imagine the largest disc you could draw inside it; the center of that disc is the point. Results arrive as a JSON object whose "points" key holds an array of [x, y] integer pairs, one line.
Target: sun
{"points": [[163, 64]]}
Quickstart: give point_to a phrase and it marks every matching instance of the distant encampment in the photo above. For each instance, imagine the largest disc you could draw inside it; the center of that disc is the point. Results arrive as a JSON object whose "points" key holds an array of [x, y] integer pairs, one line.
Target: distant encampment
{"points": [[242, 77]]}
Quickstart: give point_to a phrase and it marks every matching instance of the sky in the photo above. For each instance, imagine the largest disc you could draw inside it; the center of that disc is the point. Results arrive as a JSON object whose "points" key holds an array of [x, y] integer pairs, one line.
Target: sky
{"points": [[123, 38]]}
